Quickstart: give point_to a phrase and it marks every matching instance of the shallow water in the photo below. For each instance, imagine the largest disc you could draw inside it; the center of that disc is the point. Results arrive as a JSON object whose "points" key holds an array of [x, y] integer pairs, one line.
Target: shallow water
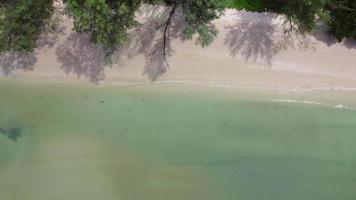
{"points": [[170, 142]]}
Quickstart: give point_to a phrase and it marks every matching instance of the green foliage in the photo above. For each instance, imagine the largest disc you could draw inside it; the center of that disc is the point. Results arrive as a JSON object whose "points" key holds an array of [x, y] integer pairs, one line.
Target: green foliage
{"points": [[22, 22], [340, 15], [343, 19], [199, 14], [250, 5], [106, 21], [305, 14]]}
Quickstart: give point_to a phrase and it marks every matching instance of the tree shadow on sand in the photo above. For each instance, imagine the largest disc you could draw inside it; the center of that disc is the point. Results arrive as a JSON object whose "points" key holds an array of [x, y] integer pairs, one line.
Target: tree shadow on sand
{"points": [[325, 38], [258, 37], [79, 56], [350, 43], [148, 40], [156, 65], [13, 61], [330, 40]]}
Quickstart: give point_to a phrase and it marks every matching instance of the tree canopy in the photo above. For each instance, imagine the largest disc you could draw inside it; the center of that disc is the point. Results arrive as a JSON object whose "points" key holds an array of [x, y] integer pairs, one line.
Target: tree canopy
{"points": [[108, 21], [306, 15], [22, 22]]}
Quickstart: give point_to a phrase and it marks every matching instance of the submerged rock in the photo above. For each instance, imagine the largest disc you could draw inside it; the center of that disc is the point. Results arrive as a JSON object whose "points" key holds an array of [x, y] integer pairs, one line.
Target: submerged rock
{"points": [[13, 133]]}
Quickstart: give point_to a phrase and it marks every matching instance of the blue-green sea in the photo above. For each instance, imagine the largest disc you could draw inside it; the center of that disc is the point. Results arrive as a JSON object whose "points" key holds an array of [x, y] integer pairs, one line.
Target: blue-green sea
{"points": [[64, 141]]}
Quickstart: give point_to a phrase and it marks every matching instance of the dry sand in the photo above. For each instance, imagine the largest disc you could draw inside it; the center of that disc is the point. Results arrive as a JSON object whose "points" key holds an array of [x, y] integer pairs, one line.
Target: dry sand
{"points": [[249, 52]]}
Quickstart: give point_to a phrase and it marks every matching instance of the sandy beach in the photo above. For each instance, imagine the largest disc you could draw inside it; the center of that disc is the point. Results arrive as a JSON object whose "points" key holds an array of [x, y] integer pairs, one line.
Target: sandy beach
{"points": [[221, 122], [250, 52]]}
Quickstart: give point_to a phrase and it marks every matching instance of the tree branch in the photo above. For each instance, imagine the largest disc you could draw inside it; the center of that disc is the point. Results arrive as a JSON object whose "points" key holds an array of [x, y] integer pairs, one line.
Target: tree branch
{"points": [[165, 33]]}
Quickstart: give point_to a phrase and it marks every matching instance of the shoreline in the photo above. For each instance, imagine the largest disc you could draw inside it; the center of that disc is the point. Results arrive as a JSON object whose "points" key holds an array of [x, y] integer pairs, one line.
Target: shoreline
{"points": [[343, 98], [257, 60], [215, 84]]}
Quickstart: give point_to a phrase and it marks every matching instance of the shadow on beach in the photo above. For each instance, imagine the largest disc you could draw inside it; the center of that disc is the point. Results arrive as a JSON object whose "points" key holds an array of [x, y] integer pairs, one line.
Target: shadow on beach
{"points": [[13, 61], [350, 43], [80, 57], [330, 40], [148, 40], [255, 37], [25, 61], [258, 37]]}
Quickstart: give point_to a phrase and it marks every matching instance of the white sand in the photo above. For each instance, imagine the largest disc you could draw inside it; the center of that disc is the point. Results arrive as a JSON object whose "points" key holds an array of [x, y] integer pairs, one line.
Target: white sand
{"points": [[249, 52]]}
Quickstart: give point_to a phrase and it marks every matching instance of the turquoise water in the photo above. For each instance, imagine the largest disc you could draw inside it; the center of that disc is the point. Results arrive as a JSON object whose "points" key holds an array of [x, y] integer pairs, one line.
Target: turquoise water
{"points": [[171, 142]]}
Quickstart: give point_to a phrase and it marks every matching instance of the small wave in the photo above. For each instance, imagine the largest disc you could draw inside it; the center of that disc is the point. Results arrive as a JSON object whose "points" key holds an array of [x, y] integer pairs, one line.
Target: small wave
{"points": [[297, 101], [346, 89], [338, 106]]}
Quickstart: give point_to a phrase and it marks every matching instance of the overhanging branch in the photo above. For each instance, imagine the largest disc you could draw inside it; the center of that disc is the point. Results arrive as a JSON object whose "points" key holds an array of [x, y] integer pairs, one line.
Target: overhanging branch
{"points": [[166, 32]]}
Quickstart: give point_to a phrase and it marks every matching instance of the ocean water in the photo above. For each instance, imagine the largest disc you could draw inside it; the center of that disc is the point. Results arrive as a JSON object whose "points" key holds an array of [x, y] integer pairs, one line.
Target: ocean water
{"points": [[170, 142]]}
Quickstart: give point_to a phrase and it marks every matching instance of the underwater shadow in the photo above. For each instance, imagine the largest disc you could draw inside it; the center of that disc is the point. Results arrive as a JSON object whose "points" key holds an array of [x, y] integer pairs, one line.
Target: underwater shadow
{"points": [[13, 133]]}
